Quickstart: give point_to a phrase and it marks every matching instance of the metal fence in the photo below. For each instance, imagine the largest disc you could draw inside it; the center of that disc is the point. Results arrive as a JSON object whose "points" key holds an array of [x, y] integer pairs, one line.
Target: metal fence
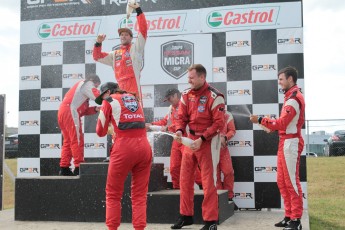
{"points": [[325, 137]]}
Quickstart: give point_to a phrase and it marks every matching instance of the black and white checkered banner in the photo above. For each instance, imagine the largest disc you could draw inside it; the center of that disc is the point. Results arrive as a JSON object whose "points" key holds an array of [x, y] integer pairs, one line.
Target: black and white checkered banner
{"points": [[241, 46]]}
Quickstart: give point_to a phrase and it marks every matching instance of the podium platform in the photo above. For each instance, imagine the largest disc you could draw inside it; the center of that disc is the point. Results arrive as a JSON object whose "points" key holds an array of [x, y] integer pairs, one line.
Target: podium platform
{"points": [[82, 198]]}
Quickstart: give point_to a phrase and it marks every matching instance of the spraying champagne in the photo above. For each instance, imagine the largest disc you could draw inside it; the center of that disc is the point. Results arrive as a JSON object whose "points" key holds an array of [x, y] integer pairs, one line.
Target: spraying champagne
{"points": [[256, 120], [184, 140], [129, 10], [155, 128]]}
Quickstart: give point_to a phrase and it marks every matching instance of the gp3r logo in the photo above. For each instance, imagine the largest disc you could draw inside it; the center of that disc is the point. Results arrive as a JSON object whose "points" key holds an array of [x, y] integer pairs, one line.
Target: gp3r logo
{"points": [[50, 146], [239, 92], [218, 70], [238, 43], [243, 195], [30, 78], [94, 145], [29, 123], [239, 143], [28, 170], [266, 169], [265, 67], [283, 41]]}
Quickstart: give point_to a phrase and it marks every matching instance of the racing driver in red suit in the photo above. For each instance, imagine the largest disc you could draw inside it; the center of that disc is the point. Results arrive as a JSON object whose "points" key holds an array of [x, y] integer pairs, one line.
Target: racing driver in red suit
{"points": [[173, 96], [127, 60], [75, 105], [131, 152], [290, 147], [202, 109], [225, 163]]}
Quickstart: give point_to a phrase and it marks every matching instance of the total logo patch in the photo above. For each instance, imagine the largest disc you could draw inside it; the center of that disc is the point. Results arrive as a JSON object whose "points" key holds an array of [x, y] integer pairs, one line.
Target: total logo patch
{"points": [[201, 108]]}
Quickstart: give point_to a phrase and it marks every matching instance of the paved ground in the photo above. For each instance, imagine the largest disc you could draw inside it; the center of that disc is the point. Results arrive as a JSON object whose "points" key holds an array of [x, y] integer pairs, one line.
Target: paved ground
{"points": [[242, 220]]}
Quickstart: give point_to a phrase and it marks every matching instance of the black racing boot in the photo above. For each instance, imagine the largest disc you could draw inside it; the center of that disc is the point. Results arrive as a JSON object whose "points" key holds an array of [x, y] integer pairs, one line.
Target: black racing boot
{"points": [[76, 171], [210, 225], [65, 171], [294, 225], [183, 221], [283, 223]]}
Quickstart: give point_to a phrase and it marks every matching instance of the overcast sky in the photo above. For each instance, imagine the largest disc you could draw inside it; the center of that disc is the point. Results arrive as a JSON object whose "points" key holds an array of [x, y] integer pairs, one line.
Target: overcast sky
{"points": [[324, 58]]}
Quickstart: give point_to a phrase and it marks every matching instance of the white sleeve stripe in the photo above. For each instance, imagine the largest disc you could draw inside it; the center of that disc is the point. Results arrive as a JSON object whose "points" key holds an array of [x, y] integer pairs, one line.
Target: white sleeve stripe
{"points": [[101, 117], [219, 100], [108, 60], [293, 103], [182, 101], [116, 110]]}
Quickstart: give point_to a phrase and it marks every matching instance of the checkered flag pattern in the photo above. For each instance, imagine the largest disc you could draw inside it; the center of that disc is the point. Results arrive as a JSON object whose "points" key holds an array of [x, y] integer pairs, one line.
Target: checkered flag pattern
{"points": [[242, 63]]}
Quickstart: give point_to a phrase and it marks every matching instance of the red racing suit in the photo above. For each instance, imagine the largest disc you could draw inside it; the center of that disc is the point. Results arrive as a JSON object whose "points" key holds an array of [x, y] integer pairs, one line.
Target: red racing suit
{"points": [[131, 153], [176, 148], [127, 60], [225, 163], [75, 105], [291, 144], [203, 111]]}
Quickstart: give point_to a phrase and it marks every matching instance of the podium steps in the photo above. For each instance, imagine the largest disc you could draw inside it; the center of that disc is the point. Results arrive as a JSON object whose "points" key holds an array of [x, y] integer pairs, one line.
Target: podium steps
{"points": [[165, 204], [82, 198]]}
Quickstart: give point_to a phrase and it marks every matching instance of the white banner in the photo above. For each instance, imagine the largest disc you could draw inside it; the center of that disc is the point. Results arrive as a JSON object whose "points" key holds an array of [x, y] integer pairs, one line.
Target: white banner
{"points": [[29, 122], [244, 194], [30, 77], [95, 146], [159, 23], [50, 145], [28, 167], [242, 143], [245, 17], [265, 168], [207, 20]]}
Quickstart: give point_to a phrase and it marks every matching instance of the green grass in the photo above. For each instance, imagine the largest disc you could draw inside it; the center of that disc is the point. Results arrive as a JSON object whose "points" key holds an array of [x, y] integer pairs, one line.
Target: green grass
{"points": [[326, 192], [8, 195]]}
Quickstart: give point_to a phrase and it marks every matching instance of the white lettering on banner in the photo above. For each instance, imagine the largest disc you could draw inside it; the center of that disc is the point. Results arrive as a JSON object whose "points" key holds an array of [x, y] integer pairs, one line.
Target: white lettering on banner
{"points": [[177, 61], [176, 47], [251, 16], [131, 116]]}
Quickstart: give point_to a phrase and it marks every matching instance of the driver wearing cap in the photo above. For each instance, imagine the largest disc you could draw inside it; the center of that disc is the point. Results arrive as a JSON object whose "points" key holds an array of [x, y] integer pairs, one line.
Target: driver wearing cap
{"points": [[127, 60], [173, 96], [131, 152]]}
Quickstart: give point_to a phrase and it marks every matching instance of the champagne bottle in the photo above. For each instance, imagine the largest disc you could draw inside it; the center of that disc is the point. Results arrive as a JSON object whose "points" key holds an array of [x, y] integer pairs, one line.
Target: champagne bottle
{"points": [[129, 9], [184, 140], [187, 141]]}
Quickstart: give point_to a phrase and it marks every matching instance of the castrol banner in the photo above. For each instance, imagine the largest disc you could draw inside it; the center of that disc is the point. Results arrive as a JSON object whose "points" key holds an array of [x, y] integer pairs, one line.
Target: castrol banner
{"points": [[159, 23], [166, 23], [53, 30], [253, 16]]}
